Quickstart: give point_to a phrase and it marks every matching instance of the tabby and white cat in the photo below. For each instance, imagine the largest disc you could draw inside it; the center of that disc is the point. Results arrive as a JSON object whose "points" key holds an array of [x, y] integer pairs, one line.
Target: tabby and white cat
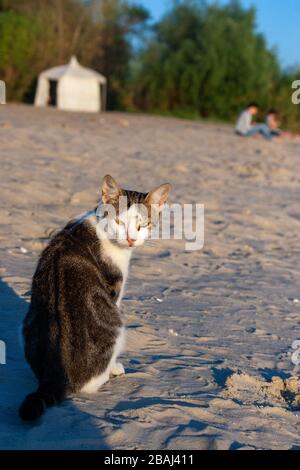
{"points": [[73, 331]]}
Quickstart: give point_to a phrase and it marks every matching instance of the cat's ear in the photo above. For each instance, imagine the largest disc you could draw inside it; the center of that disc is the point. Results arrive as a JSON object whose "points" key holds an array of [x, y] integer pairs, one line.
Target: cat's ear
{"points": [[110, 189], [159, 196]]}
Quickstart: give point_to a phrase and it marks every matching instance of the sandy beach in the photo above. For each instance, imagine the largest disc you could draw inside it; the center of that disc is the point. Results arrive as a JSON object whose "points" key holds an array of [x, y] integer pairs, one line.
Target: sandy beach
{"points": [[207, 330]]}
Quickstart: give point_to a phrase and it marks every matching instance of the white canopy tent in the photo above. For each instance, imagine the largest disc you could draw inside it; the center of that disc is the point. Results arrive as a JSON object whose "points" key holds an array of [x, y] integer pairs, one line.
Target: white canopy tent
{"points": [[72, 87]]}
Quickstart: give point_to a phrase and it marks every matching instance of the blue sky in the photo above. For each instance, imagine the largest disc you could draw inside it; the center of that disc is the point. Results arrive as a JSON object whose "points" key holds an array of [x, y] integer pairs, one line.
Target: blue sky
{"points": [[279, 20]]}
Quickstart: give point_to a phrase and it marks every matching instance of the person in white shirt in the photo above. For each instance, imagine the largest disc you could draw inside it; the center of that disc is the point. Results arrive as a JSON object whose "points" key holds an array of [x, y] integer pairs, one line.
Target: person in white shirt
{"points": [[244, 125]]}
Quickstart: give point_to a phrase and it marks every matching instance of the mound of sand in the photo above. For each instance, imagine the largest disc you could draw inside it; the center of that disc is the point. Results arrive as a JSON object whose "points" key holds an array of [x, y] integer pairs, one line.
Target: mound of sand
{"points": [[253, 390]]}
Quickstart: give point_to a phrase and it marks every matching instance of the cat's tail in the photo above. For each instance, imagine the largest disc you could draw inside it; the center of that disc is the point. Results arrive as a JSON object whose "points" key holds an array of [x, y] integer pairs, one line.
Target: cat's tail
{"points": [[35, 403]]}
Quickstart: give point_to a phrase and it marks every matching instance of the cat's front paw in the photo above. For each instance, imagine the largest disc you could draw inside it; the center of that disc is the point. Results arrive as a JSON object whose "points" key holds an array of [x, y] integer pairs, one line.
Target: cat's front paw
{"points": [[118, 369]]}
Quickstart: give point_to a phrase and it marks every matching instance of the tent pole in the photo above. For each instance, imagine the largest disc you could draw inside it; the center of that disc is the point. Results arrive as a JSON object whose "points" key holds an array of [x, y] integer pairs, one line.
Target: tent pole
{"points": [[104, 96]]}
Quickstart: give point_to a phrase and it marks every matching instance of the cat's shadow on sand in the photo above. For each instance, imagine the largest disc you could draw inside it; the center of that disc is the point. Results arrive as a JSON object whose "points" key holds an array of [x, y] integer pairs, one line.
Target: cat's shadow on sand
{"points": [[63, 427]]}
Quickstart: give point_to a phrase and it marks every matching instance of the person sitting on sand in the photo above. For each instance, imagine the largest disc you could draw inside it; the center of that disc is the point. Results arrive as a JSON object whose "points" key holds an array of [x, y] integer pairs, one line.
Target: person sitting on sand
{"points": [[244, 125], [273, 122]]}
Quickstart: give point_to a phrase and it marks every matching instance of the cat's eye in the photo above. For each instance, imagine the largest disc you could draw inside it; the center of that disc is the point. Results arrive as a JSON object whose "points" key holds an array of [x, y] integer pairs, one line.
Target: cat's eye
{"points": [[120, 222], [143, 224]]}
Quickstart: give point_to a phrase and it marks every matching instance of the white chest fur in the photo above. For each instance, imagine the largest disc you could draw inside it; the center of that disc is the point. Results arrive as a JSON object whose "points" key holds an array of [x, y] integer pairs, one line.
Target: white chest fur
{"points": [[119, 256]]}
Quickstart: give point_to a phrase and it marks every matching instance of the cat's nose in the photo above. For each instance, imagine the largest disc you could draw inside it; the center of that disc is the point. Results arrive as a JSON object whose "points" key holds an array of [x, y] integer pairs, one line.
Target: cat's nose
{"points": [[130, 241]]}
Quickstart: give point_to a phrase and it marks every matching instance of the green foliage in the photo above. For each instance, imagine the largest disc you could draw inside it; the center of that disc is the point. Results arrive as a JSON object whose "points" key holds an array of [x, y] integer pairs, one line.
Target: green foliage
{"points": [[116, 21], [289, 112], [209, 60], [204, 59], [200, 60], [16, 52], [38, 34]]}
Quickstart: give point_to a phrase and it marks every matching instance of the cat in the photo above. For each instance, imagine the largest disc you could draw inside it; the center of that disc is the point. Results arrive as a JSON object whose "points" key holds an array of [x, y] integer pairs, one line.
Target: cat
{"points": [[73, 331]]}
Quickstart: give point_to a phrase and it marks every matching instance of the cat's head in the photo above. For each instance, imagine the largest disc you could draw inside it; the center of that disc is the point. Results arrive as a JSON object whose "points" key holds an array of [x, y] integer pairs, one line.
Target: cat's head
{"points": [[132, 214]]}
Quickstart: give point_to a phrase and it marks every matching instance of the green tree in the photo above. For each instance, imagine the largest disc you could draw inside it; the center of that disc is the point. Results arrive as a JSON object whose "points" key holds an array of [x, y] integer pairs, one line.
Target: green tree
{"points": [[38, 34], [282, 101], [17, 56], [205, 59], [116, 22]]}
